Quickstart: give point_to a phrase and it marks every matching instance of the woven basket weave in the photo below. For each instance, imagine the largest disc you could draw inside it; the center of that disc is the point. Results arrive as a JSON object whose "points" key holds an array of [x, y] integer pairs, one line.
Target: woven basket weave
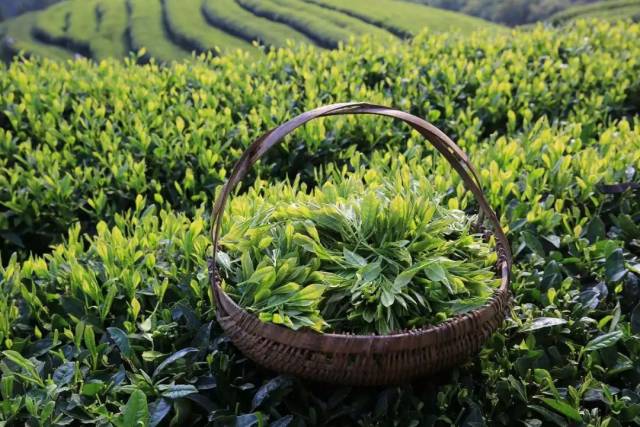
{"points": [[363, 359]]}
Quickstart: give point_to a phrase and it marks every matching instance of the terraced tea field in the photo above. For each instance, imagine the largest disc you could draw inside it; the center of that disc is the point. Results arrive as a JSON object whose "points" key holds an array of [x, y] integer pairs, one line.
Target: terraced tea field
{"points": [[173, 29], [608, 9]]}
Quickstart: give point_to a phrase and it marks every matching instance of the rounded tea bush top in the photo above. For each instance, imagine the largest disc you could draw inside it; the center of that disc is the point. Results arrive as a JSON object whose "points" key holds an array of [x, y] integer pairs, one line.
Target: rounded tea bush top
{"points": [[363, 254]]}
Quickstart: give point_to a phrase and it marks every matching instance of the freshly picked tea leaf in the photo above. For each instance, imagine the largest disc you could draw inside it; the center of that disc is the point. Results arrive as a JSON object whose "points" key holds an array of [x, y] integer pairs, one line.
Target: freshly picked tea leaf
{"points": [[374, 257]]}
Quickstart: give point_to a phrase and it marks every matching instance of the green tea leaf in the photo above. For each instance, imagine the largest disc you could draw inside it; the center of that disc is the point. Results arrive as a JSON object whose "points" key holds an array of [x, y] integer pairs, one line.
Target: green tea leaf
{"points": [[543, 322], [635, 319], [435, 272], [387, 299], [403, 279], [603, 341], [92, 388], [564, 408], [64, 373], [158, 410], [172, 358], [177, 391], [17, 358], [278, 385], [122, 341], [614, 266], [370, 272], [353, 258], [136, 411], [533, 243]]}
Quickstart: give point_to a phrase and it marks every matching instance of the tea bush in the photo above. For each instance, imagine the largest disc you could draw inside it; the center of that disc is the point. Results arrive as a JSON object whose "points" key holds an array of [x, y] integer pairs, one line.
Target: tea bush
{"points": [[23, 40], [326, 27], [612, 10], [188, 28], [120, 325], [230, 16], [145, 31], [80, 140], [94, 28], [404, 19]]}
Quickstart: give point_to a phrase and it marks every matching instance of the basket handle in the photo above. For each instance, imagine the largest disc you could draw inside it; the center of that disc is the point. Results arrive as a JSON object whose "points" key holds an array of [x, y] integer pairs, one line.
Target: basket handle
{"points": [[456, 157]]}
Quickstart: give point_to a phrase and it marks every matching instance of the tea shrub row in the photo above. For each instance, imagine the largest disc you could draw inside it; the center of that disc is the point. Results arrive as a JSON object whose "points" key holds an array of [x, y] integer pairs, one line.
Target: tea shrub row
{"points": [[403, 18], [188, 28], [145, 31], [94, 28], [19, 38], [326, 27], [234, 19], [79, 141], [171, 30], [615, 9]]}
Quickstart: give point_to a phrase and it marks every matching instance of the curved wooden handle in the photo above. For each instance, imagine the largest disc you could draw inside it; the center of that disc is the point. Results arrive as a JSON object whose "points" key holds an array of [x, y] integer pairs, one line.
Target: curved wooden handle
{"points": [[456, 157]]}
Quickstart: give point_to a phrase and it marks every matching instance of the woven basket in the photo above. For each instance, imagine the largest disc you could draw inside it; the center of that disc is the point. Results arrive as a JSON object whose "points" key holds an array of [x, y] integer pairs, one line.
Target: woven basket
{"points": [[362, 359]]}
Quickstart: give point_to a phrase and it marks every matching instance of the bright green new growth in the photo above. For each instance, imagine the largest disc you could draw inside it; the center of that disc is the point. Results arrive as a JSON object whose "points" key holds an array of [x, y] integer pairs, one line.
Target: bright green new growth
{"points": [[363, 254]]}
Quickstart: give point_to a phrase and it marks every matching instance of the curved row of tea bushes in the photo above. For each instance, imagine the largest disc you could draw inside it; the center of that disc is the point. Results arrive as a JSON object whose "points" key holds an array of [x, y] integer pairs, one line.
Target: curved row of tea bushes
{"points": [[145, 31], [326, 27], [53, 26], [80, 140], [118, 325], [75, 26], [187, 27], [20, 38], [612, 10], [234, 19], [108, 40], [92, 28], [403, 18]]}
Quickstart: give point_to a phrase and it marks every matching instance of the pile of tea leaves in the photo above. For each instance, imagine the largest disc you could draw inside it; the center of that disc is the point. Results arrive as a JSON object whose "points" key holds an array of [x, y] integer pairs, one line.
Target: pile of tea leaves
{"points": [[361, 253]]}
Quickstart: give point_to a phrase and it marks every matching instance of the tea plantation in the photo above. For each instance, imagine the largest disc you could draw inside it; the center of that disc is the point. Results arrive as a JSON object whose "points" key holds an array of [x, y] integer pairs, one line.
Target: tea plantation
{"points": [[172, 29], [609, 10], [108, 171]]}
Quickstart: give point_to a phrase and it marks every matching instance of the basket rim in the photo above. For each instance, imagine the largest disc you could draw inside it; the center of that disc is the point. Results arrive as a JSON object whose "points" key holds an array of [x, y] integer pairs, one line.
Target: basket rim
{"points": [[421, 337]]}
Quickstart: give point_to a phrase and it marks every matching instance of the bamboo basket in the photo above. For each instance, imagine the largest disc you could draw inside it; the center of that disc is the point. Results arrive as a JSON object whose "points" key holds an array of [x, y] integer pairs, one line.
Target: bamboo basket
{"points": [[363, 359]]}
